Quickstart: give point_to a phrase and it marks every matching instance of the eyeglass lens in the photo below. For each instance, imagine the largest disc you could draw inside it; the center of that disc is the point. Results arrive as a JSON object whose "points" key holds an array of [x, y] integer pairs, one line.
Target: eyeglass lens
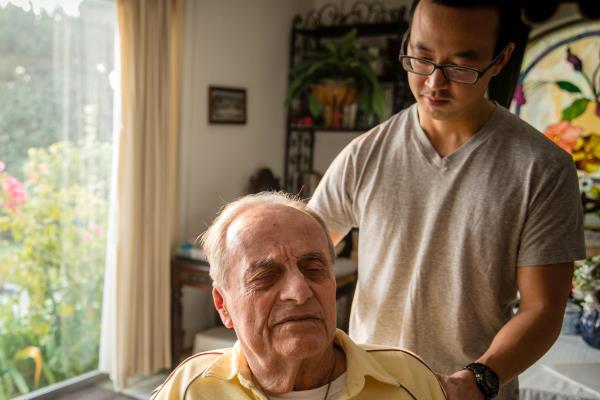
{"points": [[424, 67]]}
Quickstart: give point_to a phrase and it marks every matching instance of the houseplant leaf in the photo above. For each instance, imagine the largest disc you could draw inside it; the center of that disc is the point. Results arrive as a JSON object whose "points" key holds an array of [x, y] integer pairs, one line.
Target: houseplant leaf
{"points": [[329, 48], [315, 106], [378, 102], [347, 44]]}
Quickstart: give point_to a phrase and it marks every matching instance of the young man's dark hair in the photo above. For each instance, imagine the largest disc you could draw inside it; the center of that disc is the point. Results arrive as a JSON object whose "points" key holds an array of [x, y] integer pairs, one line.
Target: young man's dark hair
{"points": [[509, 12]]}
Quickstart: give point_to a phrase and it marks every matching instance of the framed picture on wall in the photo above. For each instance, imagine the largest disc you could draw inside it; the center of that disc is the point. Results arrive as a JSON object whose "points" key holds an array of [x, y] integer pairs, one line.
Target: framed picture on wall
{"points": [[226, 105]]}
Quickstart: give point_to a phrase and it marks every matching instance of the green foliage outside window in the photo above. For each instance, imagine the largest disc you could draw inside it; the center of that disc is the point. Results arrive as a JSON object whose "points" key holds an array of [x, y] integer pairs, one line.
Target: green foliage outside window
{"points": [[56, 124], [52, 250]]}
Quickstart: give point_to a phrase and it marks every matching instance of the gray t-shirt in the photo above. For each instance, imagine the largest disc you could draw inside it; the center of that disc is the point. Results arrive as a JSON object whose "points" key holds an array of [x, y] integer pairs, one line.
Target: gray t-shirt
{"points": [[440, 237]]}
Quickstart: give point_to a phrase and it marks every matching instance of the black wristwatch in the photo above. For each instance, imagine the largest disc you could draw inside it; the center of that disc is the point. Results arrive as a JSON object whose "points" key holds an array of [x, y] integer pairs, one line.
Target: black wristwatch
{"points": [[486, 379]]}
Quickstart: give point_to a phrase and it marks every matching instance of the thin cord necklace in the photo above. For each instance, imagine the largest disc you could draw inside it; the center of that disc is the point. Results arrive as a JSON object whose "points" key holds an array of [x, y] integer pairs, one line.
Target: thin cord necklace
{"points": [[330, 375]]}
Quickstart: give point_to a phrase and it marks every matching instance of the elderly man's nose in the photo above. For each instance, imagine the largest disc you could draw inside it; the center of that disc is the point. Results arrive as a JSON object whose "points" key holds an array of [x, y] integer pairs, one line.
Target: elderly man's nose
{"points": [[296, 288], [436, 80]]}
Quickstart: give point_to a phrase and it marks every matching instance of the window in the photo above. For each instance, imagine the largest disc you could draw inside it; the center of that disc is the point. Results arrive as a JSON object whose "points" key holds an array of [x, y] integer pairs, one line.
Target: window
{"points": [[56, 128]]}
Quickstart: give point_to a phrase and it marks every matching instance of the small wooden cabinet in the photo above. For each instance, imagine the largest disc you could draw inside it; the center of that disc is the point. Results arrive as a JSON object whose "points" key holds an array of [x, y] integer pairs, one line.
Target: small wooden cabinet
{"points": [[184, 272]]}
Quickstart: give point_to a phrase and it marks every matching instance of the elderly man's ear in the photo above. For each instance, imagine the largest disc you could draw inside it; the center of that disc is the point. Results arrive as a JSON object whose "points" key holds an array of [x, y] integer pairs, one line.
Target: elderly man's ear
{"points": [[222, 308]]}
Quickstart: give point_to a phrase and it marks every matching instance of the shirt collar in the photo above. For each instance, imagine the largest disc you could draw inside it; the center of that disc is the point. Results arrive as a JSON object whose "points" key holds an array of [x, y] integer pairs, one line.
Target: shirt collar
{"points": [[359, 365]]}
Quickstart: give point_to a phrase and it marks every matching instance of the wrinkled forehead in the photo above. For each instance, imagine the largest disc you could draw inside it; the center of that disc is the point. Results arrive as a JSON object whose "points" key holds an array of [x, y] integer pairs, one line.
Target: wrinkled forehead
{"points": [[262, 229]]}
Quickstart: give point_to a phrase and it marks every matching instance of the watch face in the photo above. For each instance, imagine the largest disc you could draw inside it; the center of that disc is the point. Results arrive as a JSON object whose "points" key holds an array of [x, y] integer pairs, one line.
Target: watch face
{"points": [[490, 379]]}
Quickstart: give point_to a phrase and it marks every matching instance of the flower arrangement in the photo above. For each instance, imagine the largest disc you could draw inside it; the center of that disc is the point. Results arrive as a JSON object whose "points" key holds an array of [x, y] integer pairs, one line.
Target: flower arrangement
{"points": [[586, 282], [586, 290]]}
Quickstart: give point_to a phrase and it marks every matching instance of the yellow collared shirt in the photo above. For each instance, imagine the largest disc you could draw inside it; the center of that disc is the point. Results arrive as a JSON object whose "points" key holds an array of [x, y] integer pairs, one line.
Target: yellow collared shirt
{"points": [[373, 372]]}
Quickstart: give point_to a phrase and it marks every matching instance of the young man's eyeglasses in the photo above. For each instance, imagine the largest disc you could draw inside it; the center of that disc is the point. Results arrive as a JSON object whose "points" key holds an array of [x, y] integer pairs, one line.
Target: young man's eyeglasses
{"points": [[452, 72]]}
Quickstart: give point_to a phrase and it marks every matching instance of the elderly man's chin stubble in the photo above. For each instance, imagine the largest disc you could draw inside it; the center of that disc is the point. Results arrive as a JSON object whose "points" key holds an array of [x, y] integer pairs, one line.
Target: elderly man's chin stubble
{"points": [[300, 332], [292, 329], [306, 343]]}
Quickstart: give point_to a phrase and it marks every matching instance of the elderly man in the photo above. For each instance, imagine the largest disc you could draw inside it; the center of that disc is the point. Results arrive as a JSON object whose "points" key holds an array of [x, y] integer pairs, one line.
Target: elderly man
{"points": [[272, 266]]}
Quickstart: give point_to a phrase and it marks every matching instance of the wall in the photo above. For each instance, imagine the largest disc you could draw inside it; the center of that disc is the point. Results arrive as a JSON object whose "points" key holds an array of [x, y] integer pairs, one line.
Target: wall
{"points": [[240, 44], [234, 43]]}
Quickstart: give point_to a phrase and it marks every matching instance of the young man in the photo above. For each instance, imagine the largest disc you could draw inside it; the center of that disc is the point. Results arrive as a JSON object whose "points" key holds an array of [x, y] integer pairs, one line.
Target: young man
{"points": [[460, 205]]}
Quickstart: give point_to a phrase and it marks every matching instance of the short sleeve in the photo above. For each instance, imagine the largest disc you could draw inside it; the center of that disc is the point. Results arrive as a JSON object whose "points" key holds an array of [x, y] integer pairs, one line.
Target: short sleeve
{"points": [[334, 198], [553, 231]]}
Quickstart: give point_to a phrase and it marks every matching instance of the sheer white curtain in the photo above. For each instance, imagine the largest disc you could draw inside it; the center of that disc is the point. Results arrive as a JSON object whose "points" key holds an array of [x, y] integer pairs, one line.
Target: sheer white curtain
{"points": [[136, 310]]}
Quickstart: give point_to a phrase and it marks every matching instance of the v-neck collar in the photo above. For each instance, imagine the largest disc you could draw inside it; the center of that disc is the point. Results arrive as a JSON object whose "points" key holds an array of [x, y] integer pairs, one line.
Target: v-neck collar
{"points": [[444, 163]]}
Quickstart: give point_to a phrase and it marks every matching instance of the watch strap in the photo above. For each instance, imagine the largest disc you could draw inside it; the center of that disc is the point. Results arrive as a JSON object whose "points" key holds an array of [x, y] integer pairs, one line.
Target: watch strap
{"points": [[483, 373]]}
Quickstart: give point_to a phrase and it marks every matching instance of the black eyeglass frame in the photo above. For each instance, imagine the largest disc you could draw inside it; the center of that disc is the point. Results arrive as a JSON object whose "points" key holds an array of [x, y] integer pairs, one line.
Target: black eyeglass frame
{"points": [[480, 72]]}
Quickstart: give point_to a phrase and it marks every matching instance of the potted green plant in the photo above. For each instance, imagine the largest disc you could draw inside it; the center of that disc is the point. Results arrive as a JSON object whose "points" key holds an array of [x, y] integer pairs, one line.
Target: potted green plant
{"points": [[338, 74]]}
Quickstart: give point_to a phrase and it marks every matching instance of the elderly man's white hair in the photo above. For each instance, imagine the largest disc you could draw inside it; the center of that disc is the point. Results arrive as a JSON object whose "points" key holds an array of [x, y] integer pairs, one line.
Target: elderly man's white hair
{"points": [[213, 240]]}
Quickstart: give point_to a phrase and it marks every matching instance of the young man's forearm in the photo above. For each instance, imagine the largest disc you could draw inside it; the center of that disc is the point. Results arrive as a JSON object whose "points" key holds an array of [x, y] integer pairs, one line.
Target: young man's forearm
{"points": [[522, 341], [532, 331]]}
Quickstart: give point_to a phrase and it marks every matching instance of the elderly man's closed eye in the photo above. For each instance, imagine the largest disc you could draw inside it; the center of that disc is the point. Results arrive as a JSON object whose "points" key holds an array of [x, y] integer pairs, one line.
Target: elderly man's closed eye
{"points": [[274, 284]]}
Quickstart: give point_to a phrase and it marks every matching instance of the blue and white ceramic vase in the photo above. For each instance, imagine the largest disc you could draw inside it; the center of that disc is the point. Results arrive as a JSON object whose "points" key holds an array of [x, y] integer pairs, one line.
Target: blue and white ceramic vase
{"points": [[589, 325]]}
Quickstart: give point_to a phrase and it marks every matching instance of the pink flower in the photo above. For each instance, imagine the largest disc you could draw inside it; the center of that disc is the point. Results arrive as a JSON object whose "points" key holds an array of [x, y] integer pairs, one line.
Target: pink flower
{"points": [[12, 182], [97, 229], [14, 186], [2, 166], [564, 134], [16, 193]]}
